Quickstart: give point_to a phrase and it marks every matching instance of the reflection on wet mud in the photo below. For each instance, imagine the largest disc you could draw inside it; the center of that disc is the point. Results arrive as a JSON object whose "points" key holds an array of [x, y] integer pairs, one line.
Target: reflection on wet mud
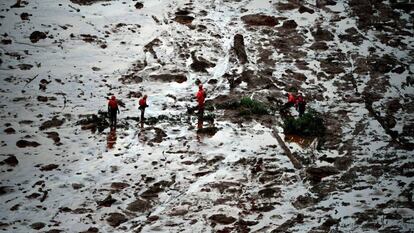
{"points": [[111, 138]]}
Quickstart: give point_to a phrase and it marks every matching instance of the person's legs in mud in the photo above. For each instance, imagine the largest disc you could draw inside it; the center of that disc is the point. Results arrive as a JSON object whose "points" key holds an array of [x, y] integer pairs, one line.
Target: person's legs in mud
{"points": [[301, 109]]}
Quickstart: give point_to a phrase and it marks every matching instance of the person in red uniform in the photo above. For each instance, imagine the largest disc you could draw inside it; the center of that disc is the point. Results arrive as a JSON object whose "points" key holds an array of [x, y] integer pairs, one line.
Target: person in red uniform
{"points": [[142, 105], [290, 103], [113, 110], [300, 104], [201, 97]]}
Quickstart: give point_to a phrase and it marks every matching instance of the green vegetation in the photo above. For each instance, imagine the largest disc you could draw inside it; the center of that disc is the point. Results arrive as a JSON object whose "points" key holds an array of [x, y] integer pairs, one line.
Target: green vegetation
{"points": [[309, 124], [250, 106]]}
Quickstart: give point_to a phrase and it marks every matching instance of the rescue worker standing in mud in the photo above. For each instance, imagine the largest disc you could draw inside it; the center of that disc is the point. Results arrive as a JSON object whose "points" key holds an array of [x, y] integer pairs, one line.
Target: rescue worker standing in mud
{"points": [[300, 104], [201, 97], [290, 103], [113, 110], [142, 105]]}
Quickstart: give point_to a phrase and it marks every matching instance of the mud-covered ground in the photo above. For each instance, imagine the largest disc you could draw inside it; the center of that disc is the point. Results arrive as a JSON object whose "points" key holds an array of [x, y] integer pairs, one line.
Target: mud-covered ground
{"points": [[63, 169]]}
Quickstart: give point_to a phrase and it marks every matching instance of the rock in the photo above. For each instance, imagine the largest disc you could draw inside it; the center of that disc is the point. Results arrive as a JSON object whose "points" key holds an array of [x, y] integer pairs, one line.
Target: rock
{"points": [[6, 190], [55, 122], [25, 66], [54, 136], [303, 9], [107, 202], [140, 205], [270, 192], [49, 167], [317, 173], [319, 45], [259, 20], [322, 34], [36, 36], [184, 19], [116, 219], [24, 16], [179, 211], [139, 5], [10, 131], [11, 161], [87, 2], [37, 225], [239, 48], [119, 185], [24, 143], [199, 64], [91, 230], [179, 78], [222, 219], [304, 201], [289, 24], [77, 186], [42, 98]]}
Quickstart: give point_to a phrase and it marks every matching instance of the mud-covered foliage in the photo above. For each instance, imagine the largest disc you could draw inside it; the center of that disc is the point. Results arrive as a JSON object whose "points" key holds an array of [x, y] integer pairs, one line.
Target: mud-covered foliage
{"points": [[246, 106], [309, 124]]}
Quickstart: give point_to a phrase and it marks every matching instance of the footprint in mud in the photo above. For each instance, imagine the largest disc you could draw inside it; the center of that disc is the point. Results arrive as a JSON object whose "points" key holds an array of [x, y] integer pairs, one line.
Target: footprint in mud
{"points": [[111, 139]]}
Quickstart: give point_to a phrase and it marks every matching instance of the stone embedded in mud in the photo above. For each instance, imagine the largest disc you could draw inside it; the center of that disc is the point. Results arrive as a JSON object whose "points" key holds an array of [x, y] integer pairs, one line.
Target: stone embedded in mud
{"points": [[304, 201], [107, 202], [179, 211], [11, 161], [289, 24], [24, 16], [119, 185], [319, 45], [24, 143], [259, 20], [37, 225], [55, 122], [116, 219], [200, 64], [322, 34], [42, 98], [25, 66], [184, 19], [239, 48], [87, 2], [303, 9], [91, 230], [36, 36], [6, 190], [317, 173], [222, 219], [270, 192], [139, 5], [49, 167], [10, 131], [77, 186], [140, 205], [54, 136], [179, 78]]}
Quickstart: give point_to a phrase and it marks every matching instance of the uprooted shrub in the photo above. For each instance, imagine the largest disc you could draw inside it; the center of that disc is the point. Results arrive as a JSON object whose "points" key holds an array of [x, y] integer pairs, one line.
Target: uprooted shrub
{"points": [[250, 106], [309, 124]]}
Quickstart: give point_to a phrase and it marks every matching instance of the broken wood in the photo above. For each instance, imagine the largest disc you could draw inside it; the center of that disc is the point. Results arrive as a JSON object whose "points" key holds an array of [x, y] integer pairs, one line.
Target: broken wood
{"points": [[296, 163]]}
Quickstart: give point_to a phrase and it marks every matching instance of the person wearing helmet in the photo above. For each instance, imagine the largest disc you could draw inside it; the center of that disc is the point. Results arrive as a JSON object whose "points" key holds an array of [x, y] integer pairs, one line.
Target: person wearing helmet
{"points": [[113, 110], [142, 105], [201, 97]]}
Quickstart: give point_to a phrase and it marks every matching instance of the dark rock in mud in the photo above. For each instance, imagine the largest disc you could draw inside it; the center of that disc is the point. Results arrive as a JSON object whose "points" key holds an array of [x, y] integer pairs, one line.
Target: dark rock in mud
{"points": [[319, 45], [134, 94], [322, 34], [303, 9], [116, 219], [6, 42], [6, 190], [150, 48], [42, 98], [77, 186], [24, 16], [210, 131], [54, 136], [179, 78], [91, 230], [239, 48], [140, 205], [343, 163], [184, 19], [94, 121], [159, 135], [119, 185], [24, 143], [10, 131], [49, 167], [55, 122], [25, 66], [107, 202], [304, 201], [317, 173], [37, 225], [270, 192], [200, 64], [11, 161], [152, 192], [352, 35], [288, 224], [286, 6], [289, 24], [139, 5], [259, 20], [87, 2], [36, 36], [131, 78], [222, 219]]}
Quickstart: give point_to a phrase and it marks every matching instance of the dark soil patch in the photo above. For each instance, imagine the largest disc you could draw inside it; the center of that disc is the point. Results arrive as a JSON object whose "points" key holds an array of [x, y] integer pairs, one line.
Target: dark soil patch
{"points": [[140, 205], [36, 36], [24, 143], [116, 219], [49, 167], [259, 20], [55, 122]]}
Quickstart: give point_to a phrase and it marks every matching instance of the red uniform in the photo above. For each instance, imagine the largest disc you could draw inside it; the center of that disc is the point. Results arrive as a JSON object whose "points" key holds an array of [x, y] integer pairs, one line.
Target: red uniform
{"points": [[113, 110], [291, 98], [201, 97]]}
